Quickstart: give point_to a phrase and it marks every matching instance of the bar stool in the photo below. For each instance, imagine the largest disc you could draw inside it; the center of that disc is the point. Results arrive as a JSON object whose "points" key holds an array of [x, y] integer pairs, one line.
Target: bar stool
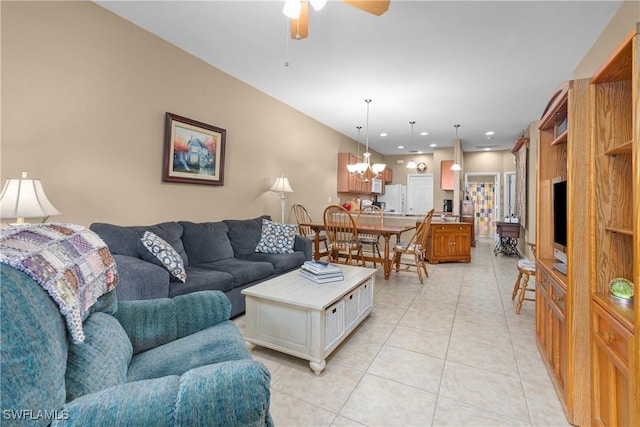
{"points": [[526, 268]]}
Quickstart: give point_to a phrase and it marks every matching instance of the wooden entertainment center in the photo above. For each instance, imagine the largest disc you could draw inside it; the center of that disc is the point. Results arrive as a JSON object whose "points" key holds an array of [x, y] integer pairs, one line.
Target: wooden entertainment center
{"points": [[589, 135]]}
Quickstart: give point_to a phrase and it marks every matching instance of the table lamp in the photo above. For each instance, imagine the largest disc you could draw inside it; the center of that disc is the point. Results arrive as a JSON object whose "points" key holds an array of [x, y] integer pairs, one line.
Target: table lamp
{"points": [[25, 198]]}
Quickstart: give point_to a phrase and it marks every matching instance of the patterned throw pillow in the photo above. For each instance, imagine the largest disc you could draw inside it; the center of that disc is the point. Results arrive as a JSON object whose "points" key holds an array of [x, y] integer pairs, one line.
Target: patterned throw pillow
{"points": [[276, 238], [161, 253]]}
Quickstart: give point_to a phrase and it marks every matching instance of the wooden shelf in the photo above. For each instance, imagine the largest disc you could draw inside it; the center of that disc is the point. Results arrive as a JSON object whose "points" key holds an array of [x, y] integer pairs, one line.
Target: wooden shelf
{"points": [[561, 139], [620, 230], [626, 148]]}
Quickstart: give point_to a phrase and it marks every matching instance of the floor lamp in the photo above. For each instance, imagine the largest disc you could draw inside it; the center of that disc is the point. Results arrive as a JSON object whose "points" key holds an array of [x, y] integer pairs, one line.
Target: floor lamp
{"points": [[282, 186]]}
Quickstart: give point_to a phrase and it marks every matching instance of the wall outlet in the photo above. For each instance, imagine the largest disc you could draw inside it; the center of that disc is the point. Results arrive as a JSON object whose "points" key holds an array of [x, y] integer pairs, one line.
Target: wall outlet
{"points": [[329, 199]]}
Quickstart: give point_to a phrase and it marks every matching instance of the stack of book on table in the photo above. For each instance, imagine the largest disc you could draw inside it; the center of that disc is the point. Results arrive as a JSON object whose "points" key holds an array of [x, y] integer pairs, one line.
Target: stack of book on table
{"points": [[321, 272]]}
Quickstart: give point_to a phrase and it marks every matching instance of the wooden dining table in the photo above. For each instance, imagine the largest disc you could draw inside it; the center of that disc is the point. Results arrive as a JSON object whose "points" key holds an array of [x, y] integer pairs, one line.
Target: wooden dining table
{"points": [[386, 231]]}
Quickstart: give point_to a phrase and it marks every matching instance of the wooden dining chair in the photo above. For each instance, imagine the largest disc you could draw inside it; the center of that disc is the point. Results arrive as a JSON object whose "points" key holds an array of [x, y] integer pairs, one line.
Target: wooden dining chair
{"points": [[370, 216], [526, 269], [303, 217], [415, 248], [342, 235]]}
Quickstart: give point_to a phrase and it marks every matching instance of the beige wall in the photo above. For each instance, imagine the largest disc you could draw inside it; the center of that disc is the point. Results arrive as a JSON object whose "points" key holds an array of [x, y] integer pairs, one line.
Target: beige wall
{"points": [[620, 25], [85, 94]]}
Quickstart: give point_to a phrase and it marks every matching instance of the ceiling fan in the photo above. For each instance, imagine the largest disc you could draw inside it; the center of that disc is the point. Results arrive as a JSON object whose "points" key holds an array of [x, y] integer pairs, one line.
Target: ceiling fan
{"points": [[298, 11]]}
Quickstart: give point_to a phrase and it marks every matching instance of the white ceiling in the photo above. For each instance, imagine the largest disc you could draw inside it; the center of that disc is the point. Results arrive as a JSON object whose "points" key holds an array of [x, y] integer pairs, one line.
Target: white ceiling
{"points": [[486, 65]]}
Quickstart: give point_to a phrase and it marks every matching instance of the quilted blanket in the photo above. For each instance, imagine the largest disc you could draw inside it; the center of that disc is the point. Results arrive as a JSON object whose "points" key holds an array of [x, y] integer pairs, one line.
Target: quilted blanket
{"points": [[69, 261]]}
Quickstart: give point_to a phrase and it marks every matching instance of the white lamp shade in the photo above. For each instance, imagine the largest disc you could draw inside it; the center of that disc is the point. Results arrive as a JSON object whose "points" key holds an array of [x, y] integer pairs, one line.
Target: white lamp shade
{"points": [[318, 4], [456, 167], [362, 167], [282, 185], [378, 167], [25, 198], [411, 165]]}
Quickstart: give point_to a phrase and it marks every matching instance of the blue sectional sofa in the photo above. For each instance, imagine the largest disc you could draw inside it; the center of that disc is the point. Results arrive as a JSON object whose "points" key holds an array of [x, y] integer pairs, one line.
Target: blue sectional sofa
{"points": [[217, 256]]}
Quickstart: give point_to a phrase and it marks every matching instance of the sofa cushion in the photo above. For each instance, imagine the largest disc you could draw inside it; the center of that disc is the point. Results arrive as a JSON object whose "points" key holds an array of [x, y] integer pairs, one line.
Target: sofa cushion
{"points": [[154, 249], [212, 345], [243, 271], [245, 234], [123, 240], [120, 240], [140, 279], [276, 238], [206, 242], [281, 262], [101, 361], [202, 279]]}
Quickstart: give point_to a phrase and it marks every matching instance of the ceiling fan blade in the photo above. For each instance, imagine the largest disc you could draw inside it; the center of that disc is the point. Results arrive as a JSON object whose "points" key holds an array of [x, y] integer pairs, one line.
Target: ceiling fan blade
{"points": [[300, 26], [376, 7]]}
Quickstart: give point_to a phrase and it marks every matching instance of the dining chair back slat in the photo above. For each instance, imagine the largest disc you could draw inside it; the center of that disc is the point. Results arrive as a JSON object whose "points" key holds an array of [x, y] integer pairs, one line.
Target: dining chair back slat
{"points": [[342, 235], [370, 217]]}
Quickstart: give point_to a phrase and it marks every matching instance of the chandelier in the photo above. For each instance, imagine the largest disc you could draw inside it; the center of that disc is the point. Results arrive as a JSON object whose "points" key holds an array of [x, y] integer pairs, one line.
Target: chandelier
{"points": [[365, 171]]}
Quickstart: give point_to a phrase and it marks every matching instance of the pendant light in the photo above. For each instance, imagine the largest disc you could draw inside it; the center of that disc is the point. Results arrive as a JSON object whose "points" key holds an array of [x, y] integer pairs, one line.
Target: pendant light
{"points": [[412, 163], [455, 166], [365, 171]]}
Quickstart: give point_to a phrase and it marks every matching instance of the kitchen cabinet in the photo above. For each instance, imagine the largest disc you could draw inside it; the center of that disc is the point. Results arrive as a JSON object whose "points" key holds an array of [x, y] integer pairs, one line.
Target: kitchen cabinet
{"points": [[346, 182], [387, 176], [449, 241]]}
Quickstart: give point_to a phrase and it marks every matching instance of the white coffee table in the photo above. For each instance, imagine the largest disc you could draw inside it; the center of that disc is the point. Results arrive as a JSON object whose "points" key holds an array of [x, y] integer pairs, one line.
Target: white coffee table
{"points": [[296, 316]]}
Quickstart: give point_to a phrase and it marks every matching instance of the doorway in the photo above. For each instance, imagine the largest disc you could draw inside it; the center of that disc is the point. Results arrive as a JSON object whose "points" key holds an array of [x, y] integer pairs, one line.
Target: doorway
{"points": [[484, 190], [419, 193]]}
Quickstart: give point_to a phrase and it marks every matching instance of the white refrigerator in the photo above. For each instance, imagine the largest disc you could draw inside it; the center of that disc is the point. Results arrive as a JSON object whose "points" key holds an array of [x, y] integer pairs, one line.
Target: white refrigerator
{"points": [[394, 198]]}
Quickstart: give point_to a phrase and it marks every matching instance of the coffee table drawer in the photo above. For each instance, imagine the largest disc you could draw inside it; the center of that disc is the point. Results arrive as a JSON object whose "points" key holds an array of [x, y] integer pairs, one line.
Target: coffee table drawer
{"points": [[334, 324], [365, 300]]}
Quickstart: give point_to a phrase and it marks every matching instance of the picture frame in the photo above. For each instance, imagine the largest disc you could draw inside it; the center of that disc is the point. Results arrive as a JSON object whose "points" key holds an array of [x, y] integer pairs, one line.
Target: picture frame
{"points": [[193, 151]]}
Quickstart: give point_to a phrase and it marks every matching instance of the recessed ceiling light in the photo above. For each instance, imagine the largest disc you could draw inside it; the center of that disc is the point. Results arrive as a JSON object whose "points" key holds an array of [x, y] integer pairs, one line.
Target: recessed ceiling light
{"points": [[487, 149], [489, 133], [433, 145], [383, 134], [424, 133], [400, 147], [419, 151]]}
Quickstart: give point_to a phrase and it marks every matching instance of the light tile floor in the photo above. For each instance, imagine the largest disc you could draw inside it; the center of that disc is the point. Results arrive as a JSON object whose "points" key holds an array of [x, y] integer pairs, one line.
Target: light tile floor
{"points": [[451, 352]]}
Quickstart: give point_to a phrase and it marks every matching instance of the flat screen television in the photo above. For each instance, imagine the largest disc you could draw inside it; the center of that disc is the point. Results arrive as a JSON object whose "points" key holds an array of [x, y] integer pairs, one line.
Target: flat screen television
{"points": [[560, 213]]}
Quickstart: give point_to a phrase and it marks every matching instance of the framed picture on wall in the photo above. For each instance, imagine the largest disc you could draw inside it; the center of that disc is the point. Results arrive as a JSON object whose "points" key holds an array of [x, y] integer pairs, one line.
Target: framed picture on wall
{"points": [[193, 151]]}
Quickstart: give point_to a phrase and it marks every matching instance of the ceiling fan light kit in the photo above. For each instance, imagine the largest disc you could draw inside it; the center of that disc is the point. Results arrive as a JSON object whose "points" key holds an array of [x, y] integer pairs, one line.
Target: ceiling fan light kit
{"points": [[298, 12]]}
